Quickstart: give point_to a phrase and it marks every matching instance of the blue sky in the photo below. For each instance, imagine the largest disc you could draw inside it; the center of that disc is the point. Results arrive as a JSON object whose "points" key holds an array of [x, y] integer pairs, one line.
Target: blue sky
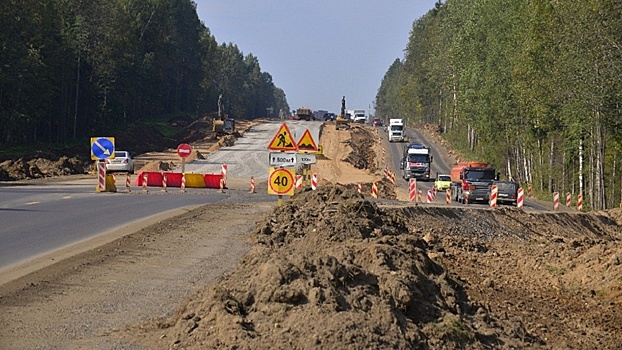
{"points": [[318, 51]]}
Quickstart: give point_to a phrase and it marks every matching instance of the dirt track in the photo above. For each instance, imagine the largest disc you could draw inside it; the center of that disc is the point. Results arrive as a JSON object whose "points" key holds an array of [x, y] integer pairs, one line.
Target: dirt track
{"points": [[331, 269]]}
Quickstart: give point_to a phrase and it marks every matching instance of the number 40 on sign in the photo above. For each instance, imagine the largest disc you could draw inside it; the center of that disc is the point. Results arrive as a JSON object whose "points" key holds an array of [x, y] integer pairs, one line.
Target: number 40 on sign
{"points": [[281, 181]]}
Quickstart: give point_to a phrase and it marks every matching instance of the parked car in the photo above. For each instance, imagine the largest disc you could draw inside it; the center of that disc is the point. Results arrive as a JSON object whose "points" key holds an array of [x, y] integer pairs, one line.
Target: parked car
{"points": [[507, 191], [376, 122], [442, 182], [122, 162]]}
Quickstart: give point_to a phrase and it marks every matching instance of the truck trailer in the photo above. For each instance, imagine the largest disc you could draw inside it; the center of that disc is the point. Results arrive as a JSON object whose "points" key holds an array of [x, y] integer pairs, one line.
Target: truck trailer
{"points": [[395, 130]]}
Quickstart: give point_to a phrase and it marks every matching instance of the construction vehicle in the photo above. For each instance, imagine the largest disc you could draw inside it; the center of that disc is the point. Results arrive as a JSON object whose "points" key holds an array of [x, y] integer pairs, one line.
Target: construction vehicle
{"points": [[416, 162], [304, 113], [222, 124], [342, 121], [471, 182], [396, 130]]}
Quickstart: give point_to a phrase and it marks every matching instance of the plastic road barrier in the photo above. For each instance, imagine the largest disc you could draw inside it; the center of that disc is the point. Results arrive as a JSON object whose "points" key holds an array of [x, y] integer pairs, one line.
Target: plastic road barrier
{"points": [[298, 182], [359, 188], [568, 199], [374, 190], [448, 196], [314, 181], [555, 200], [520, 198], [494, 191], [128, 181], [412, 189], [252, 190], [163, 182], [430, 196], [392, 177], [580, 202]]}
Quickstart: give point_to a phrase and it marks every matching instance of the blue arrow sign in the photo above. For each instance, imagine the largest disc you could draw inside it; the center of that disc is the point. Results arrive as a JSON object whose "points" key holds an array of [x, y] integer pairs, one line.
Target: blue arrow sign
{"points": [[102, 147]]}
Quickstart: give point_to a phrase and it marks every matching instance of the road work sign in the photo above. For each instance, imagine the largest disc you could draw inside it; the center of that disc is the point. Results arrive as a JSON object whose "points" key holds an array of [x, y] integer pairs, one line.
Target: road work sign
{"points": [[278, 159], [281, 181], [283, 140], [307, 143]]}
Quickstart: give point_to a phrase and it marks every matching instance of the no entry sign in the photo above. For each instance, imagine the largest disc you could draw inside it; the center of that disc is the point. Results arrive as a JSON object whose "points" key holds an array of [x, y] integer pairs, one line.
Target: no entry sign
{"points": [[184, 150]]}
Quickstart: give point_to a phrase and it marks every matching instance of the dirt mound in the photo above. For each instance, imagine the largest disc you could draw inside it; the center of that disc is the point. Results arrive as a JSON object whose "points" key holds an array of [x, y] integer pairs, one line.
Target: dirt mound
{"points": [[39, 166], [333, 270], [363, 143]]}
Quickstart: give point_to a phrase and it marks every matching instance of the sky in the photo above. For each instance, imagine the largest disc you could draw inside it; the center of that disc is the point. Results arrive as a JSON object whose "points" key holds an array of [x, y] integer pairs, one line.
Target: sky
{"points": [[318, 51]]}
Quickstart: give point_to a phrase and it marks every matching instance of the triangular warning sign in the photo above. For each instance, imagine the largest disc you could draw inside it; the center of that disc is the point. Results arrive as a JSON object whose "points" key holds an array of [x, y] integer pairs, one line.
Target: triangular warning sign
{"points": [[307, 143], [283, 140]]}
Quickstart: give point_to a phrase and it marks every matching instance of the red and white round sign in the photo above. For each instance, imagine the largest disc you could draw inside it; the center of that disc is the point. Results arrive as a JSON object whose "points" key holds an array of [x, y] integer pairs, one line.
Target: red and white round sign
{"points": [[184, 150]]}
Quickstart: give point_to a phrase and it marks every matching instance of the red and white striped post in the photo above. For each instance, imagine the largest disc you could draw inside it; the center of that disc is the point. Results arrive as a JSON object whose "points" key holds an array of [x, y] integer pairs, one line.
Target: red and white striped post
{"points": [[419, 195], [224, 175], [430, 196], [314, 181], [494, 191], [568, 199], [252, 190], [359, 188], [555, 200], [383, 152], [183, 182], [412, 189], [222, 185], [520, 198], [448, 196], [298, 182], [580, 202], [101, 176], [145, 182], [128, 181], [386, 172], [163, 182], [374, 190], [392, 177]]}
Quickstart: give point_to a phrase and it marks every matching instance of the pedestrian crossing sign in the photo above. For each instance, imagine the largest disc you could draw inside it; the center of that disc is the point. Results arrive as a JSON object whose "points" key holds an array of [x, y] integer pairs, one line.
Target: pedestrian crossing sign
{"points": [[283, 140]]}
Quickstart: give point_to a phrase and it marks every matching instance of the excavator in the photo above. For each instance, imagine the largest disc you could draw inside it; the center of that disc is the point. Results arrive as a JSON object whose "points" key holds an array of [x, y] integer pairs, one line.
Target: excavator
{"points": [[342, 121], [222, 124]]}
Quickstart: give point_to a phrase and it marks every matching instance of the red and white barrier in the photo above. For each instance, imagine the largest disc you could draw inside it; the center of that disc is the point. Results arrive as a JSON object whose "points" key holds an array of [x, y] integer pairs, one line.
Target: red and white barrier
{"points": [[145, 182], [101, 176], [383, 152], [448, 196], [430, 196], [392, 177], [224, 175], [568, 199], [520, 198], [374, 190], [163, 182], [412, 189], [314, 181], [494, 192], [252, 190], [222, 185], [555, 200], [580, 202], [386, 172], [128, 181], [359, 188], [298, 182], [419, 196], [183, 182]]}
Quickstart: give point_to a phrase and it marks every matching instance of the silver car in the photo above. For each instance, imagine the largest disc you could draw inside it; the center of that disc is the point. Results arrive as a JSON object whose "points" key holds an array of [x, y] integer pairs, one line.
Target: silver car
{"points": [[122, 162]]}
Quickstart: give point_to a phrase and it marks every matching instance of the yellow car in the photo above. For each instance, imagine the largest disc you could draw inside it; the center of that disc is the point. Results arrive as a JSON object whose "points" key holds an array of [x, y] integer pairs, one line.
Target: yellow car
{"points": [[442, 182]]}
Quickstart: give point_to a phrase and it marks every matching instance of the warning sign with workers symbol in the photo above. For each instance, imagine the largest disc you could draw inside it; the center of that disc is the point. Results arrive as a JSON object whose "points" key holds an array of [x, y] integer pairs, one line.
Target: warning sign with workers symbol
{"points": [[307, 143], [283, 140]]}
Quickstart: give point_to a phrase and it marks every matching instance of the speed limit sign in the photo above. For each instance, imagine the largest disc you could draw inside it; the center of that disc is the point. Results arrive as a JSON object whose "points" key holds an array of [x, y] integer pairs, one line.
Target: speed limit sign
{"points": [[281, 181]]}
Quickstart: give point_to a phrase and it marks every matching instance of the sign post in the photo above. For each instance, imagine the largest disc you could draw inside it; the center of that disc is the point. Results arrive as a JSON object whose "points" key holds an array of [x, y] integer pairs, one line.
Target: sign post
{"points": [[184, 150]]}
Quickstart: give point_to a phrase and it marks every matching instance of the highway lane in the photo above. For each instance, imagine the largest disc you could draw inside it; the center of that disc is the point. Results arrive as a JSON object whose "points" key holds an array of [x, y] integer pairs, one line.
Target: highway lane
{"points": [[39, 219]]}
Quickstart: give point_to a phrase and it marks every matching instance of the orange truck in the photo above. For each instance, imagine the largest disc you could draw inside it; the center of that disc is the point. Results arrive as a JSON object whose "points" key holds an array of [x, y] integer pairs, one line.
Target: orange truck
{"points": [[471, 182]]}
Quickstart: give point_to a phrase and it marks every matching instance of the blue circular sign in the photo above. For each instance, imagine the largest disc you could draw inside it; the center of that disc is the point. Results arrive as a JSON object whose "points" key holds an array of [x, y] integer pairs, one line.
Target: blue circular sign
{"points": [[102, 148]]}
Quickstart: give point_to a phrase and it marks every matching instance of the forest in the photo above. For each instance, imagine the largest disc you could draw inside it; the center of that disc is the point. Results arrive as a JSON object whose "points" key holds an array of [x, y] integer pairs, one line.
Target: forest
{"points": [[532, 87], [73, 69]]}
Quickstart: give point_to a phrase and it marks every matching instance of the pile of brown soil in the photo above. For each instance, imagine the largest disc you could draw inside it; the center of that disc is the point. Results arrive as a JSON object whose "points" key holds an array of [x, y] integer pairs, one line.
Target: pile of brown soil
{"points": [[333, 270], [363, 141], [40, 166]]}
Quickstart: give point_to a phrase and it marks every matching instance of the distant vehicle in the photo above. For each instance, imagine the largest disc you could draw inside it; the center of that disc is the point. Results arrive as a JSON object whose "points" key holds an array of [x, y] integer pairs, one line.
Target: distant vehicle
{"points": [[122, 162], [376, 122], [329, 116], [358, 116], [471, 182], [443, 182], [416, 162], [507, 191], [396, 130], [320, 115], [304, 113]]}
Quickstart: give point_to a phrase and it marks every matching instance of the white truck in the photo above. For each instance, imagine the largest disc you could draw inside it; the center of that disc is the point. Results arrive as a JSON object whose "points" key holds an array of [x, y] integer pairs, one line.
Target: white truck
{"points": [[359, 116], [395, 130], [416, 162]]}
